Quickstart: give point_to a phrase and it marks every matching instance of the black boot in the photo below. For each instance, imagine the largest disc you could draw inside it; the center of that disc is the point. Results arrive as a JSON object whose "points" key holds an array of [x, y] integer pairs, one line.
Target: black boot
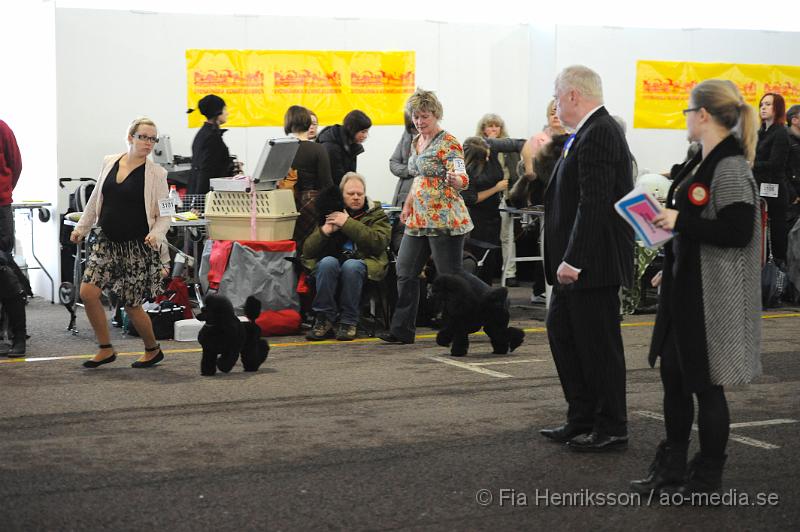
{"points": [[15, 308], [704, 476], [668, 470]]}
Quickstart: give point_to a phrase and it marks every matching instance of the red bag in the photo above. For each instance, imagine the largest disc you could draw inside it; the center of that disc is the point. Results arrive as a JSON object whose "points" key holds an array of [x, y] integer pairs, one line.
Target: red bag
{"points": [[178, 293], [278, 322]]}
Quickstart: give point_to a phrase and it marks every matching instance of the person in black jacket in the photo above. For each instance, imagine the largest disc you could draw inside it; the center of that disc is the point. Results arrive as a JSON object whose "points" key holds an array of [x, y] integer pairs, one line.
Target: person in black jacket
{"points": [[772, 155], [344, 143], [210, 155], [588, 254], [793, 167], [483, 196]]}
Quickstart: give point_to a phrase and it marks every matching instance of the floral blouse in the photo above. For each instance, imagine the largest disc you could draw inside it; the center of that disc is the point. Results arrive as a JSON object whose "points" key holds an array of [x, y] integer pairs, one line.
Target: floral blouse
{"points": [[436, 207]]}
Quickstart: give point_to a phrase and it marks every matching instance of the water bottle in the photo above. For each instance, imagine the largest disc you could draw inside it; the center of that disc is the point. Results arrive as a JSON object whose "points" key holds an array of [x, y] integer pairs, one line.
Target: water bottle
{"points": [[173, 195]]}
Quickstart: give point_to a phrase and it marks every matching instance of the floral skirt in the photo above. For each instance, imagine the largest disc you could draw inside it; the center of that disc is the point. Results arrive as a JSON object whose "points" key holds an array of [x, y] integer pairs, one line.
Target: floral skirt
{"points": [[131, 270]]}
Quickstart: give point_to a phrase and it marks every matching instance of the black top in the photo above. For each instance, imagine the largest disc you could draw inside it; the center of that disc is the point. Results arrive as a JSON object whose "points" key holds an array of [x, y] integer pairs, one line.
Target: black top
{"points": [[123, 216], [313, 166], [485, 215], [341, 151], [772, 154], [210, 158]]}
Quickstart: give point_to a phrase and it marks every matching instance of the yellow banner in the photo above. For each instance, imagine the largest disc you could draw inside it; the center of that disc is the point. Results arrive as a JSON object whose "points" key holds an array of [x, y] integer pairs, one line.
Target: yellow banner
{"points": [[663, 87], [259, 85]]}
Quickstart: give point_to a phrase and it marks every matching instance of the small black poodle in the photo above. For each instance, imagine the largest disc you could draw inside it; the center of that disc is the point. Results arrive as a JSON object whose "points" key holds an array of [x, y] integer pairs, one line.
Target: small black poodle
{"points": [[465, 312], [329, 200], [223, 336]]}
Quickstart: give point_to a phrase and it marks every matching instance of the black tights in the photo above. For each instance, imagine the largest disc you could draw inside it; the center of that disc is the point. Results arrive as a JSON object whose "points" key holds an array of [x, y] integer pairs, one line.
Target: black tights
{"points": [[713, 419]]}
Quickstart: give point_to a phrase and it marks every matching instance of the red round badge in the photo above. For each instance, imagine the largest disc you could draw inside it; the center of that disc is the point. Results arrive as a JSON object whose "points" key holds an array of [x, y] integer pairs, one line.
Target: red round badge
{"points": [[698, 194]]}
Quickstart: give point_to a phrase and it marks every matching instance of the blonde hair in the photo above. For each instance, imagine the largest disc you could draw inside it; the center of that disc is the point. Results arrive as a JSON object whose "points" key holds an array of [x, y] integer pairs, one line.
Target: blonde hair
{"points": [[583, 79], [141, 121], [426, 102], [723, 101], [491, 119], [551, 110], [350, 176]]}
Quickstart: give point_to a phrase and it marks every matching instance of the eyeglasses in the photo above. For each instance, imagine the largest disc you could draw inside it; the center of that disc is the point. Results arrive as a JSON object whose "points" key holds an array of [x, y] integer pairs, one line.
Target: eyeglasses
{"points": [[690, 110], [145, 138]]}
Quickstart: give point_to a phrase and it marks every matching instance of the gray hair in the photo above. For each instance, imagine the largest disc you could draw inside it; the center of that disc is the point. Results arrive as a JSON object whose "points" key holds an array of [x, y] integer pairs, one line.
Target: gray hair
{"points": [[426, 102], [582, 79], [353, 175]]}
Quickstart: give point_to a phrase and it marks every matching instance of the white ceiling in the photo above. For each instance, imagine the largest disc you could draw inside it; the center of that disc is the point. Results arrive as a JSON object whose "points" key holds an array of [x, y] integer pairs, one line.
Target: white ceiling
{"points": [[777, 15]]}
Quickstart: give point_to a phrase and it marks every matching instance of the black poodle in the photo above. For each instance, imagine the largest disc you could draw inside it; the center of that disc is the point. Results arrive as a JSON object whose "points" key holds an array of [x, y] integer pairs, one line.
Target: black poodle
{"points": [[223, 336], [465, 312], [329, 200]]}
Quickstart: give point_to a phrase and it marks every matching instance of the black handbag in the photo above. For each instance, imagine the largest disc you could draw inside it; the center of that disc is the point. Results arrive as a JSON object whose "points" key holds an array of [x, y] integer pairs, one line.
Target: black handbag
{"points": [[773, 280]]}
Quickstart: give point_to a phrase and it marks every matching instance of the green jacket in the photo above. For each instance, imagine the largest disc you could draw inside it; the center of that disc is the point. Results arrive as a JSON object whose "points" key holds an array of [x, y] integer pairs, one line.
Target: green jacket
{"points": [[370, 234]]}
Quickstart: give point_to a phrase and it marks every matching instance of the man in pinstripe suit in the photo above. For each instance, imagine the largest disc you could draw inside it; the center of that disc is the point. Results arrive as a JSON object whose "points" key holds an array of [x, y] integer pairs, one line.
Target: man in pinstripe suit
{"points": [[588, 255]]}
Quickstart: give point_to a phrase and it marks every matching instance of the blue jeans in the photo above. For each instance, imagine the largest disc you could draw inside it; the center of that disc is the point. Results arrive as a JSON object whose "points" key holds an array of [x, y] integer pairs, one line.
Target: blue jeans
{"points": [[348, 278], [447, 252]]}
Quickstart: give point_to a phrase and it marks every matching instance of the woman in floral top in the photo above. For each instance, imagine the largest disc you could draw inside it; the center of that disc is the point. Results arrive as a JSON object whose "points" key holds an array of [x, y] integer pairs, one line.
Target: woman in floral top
{"points": [[434, 213]]}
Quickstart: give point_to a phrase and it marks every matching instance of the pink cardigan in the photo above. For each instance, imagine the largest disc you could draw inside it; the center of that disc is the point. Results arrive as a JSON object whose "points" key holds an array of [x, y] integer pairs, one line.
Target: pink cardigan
{"points": [[155, 188]]}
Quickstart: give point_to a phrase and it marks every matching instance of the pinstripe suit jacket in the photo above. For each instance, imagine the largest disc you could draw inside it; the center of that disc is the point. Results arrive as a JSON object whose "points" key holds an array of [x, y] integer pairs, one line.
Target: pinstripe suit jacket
{"points": [[581, 225]]}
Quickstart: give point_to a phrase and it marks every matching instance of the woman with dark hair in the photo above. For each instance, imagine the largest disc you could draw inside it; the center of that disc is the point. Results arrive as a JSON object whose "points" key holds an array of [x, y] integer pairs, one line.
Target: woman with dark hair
{"points": [[312, 131], [310, 170], [124, 256], [210, 155], [769, 168], [491, 126], [344, 143], [708, 326], [487, 183]]}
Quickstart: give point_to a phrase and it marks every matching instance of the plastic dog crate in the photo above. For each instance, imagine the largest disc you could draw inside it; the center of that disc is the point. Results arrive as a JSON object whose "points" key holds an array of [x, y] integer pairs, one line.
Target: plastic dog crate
{"points": [[228, 215]]}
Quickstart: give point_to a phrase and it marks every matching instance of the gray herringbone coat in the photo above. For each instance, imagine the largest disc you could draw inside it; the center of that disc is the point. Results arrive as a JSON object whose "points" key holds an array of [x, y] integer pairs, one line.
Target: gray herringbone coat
{"points": [[711, 285]]}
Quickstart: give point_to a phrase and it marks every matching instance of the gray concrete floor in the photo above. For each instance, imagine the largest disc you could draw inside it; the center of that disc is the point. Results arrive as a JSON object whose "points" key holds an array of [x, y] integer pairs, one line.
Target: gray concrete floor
{"points": [[360, 436]]}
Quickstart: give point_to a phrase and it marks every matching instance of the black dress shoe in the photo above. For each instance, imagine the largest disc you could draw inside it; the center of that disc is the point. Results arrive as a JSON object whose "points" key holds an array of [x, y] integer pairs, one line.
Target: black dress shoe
{"points": [[597, 443], [392, 339], [564, 433]]}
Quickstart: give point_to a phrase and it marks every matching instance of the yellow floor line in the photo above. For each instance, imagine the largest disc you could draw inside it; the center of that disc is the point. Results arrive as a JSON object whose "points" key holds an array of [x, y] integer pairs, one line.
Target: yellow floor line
{"points": [[304, 343]]}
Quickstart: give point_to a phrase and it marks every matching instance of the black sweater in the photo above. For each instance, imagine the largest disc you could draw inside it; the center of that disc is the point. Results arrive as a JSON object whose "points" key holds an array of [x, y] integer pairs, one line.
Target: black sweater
{"points": [[341, 152], [210, 158], [313, 166], [772, 154]]}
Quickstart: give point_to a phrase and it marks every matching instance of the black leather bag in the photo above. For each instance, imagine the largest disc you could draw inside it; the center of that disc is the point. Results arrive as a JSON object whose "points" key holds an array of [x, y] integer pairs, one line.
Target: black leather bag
{"points": [[163, 319], [774, 281]]}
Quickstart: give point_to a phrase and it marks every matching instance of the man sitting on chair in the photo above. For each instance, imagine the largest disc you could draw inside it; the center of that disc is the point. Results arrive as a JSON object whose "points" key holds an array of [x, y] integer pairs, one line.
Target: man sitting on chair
{"points": [[347, 249]]}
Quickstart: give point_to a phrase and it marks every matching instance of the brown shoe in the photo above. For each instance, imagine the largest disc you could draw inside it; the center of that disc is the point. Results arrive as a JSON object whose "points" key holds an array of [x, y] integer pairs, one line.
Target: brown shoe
{"points": [[322, 330], [346, 332]]}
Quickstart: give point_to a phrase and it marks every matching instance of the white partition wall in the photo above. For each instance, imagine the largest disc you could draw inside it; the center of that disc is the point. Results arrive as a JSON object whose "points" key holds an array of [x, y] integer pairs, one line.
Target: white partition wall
{"points": [[121, 64], [28, 105], [613, 52]]}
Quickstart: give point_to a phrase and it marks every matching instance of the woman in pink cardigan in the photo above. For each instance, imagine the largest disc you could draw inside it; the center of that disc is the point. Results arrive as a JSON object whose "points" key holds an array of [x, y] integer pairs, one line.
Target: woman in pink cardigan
{"points": [[130, 230]]}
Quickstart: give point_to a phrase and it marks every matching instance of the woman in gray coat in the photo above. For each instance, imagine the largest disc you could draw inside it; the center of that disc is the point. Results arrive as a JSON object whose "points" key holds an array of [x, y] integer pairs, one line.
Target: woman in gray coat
{"points": [[708, 326], [398, 165]]}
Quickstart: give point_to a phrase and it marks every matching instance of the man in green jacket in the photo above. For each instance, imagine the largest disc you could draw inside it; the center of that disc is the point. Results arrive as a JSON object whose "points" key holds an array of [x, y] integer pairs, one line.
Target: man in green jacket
{"points": [[348, 249]]}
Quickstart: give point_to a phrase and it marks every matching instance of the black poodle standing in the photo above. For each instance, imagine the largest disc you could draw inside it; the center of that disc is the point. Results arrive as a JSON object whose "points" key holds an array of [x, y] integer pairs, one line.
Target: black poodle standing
{"points": [[465, 312], [224, 336]]}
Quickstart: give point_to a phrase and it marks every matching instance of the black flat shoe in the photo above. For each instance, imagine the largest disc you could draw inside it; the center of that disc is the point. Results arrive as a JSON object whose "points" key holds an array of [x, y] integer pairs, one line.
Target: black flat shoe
{"points": [[91, 364], [392, 339], [153, 361]]}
